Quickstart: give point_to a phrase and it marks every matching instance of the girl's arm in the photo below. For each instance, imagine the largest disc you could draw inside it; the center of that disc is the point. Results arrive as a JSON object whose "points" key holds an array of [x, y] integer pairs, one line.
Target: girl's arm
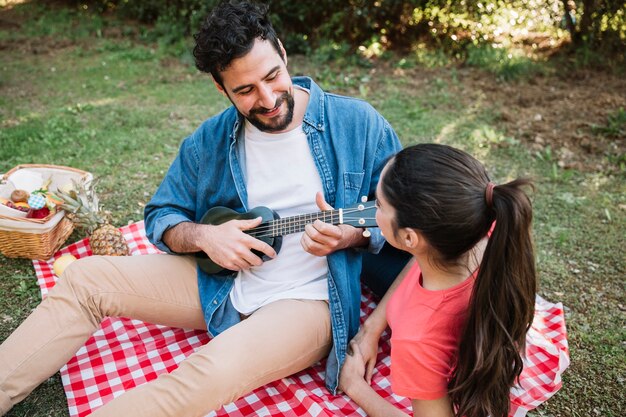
{"points": [[369, 334], [435, 408], [373, 404], [352, 383]]}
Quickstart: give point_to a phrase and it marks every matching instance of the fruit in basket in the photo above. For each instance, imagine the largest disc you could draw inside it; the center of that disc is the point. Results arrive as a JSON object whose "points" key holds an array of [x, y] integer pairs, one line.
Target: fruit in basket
{"points": [[12, 205], [61, 263], [53, 200], [38, 214], [20, 205], [19, 196], [83, 209]]}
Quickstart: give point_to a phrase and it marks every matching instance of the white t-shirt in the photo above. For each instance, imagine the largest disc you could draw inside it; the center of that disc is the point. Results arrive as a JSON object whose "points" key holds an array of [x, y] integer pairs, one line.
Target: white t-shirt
{"points": [[281, 175]]}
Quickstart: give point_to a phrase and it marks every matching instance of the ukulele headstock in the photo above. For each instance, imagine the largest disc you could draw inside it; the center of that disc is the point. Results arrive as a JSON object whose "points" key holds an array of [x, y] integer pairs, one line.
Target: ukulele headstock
{"points": [[360, 215]]}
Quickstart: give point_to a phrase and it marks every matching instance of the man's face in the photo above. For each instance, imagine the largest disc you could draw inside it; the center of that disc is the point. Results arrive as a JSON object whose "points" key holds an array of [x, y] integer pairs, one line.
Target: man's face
{"points": [[260, 87]]}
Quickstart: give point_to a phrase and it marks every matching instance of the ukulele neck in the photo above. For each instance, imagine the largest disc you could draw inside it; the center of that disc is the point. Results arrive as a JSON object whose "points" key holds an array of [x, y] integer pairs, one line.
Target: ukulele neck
{"points": [[295, 224]]}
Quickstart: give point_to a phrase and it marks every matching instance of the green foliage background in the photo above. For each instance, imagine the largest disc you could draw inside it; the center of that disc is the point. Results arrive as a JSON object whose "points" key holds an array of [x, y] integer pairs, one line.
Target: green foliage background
{"points": [[398, 24]]}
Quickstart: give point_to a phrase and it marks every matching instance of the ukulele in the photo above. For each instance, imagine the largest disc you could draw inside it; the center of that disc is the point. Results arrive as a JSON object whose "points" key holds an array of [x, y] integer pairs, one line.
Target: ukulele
{"points": [[273, 228]]}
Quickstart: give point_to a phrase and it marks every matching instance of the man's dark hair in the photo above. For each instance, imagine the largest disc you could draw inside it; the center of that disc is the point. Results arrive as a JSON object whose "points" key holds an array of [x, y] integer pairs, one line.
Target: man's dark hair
{"points": [[229, 32]]}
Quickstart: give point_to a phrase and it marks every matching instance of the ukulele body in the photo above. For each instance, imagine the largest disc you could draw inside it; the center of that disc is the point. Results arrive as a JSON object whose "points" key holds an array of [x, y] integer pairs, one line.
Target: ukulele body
{"points": [[219, 215], [272, 227]]}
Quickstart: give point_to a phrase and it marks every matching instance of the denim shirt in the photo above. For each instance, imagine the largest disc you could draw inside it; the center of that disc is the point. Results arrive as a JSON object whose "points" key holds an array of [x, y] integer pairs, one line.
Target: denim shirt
{"points": [[350, 143]]}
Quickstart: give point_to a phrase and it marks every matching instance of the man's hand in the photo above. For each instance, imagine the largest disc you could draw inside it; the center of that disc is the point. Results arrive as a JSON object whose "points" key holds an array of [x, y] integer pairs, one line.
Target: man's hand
{"points": [[321, 239], [226, 244], [229, 247]]}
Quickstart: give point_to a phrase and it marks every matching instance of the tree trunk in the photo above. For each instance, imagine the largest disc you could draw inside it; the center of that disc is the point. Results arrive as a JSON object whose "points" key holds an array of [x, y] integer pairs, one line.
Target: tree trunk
{"points": [[569, 22], [586, 21]]}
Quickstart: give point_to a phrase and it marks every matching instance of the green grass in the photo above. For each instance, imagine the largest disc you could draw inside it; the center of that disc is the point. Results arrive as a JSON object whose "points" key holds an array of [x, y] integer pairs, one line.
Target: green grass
{"points": [[119, 108], [505, 63]]}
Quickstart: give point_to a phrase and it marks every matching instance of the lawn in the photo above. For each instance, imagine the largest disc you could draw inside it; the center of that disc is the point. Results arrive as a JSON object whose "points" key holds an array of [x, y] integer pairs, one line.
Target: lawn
{"points": [[100, 95]]}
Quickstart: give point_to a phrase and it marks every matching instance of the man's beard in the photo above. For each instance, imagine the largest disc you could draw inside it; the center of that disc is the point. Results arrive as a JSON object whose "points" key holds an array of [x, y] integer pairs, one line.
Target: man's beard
{"points": [[277, 123]]}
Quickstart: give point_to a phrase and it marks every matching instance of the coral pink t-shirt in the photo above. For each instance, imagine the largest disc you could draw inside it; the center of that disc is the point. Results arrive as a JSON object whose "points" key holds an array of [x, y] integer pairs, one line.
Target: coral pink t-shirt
{"points": [[425, 330]]}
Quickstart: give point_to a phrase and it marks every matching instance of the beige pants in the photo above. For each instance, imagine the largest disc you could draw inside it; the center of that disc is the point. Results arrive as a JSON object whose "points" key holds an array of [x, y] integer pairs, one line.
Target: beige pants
{"points": [[277, 340]]}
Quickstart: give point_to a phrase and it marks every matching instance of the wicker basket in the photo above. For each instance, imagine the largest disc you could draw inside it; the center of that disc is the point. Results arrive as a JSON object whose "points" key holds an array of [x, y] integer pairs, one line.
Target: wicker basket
{"points": [[21, 237]]}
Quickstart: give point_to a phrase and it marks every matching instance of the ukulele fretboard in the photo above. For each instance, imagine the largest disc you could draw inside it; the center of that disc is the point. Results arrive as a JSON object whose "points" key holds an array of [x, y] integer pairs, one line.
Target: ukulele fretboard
{"points": [[295, 224]]}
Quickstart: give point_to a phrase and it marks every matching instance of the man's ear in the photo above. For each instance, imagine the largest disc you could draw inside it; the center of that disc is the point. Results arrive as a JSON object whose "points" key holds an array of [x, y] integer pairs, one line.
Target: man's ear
{"points": [[282, 51], [219, 88]]}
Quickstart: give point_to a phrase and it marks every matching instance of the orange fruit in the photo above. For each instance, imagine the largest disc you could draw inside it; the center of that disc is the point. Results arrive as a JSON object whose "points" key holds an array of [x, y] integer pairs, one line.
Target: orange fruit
{"points": [[54, 199]]}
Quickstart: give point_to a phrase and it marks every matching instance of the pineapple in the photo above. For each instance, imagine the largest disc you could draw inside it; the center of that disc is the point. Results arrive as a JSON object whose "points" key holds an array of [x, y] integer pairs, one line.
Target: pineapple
{"points": [[82, 208]]}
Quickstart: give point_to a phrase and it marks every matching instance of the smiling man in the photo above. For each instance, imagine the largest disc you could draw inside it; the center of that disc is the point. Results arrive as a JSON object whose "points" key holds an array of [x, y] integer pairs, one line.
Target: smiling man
{"points": [[285, 144], [266, 100]]}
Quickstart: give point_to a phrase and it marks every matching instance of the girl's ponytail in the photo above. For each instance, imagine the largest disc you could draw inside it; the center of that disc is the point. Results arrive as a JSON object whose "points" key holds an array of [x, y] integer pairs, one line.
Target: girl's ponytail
{"points": [[501, 309], [446, 195]]}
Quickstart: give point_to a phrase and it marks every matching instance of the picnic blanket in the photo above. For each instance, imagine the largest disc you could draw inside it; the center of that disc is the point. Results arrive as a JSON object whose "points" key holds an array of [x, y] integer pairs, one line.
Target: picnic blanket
{"points": [[125, 353]]}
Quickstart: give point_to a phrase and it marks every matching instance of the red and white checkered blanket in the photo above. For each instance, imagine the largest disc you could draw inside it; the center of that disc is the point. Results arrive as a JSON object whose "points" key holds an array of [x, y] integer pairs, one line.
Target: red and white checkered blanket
{"points": [[124, 353]]}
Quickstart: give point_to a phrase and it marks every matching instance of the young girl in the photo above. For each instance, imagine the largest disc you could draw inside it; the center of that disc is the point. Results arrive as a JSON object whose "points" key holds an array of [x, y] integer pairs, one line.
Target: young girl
{"points": [[460, 310]]}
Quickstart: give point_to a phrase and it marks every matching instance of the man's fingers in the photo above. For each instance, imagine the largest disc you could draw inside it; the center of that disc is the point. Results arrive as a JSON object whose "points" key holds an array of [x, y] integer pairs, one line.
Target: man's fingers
{"points": [[236, 260], [322, 233], [250, 259], [310, 245], [261, 246], [312, 233], [249, 224], [246, 258], [327, 229], [321, 202]]}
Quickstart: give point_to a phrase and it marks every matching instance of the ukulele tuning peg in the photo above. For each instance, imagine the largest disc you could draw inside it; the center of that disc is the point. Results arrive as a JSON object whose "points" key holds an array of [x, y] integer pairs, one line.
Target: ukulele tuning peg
{"points": [[364, 199], [366, 233]]}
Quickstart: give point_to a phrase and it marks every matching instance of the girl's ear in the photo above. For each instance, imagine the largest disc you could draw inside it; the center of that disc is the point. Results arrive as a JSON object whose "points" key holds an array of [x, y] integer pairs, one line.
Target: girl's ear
{"points": [[410, 238]]}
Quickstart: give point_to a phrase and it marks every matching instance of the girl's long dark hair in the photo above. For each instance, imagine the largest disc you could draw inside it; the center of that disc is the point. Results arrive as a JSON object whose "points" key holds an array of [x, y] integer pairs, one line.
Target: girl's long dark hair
{"points": [[440, 191]]}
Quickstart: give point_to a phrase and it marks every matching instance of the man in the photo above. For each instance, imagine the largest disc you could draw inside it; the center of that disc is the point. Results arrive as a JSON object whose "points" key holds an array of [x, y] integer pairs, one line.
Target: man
{"points": [[284, 144]]}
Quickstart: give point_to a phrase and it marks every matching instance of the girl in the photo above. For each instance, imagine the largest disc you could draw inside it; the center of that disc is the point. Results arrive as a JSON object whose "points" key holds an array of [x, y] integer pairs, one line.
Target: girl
{"points": [[460, 310]]}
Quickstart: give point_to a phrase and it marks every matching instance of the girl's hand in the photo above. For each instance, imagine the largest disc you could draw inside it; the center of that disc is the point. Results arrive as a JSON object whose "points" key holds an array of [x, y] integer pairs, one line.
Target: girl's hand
{"points": [[367, 344], [353, 370]]}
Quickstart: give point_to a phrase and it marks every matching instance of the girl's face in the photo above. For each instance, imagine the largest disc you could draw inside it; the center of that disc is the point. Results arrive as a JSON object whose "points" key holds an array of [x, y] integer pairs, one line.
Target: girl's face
{"points": [[385, 215]]}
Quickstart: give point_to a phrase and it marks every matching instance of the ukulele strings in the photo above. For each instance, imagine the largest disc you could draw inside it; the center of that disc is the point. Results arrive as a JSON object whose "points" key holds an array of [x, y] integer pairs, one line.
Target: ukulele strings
{"points": [[301, 220], [290, 221], [253, 233]]}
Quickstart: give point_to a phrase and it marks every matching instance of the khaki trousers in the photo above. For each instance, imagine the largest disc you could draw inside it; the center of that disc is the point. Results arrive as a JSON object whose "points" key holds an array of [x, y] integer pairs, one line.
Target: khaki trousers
{"points": [[277, 340]]}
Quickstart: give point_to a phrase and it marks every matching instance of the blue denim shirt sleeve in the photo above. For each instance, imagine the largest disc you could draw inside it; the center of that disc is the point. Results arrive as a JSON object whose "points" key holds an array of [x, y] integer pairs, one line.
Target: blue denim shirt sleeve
{"points": [[174, 200]]}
